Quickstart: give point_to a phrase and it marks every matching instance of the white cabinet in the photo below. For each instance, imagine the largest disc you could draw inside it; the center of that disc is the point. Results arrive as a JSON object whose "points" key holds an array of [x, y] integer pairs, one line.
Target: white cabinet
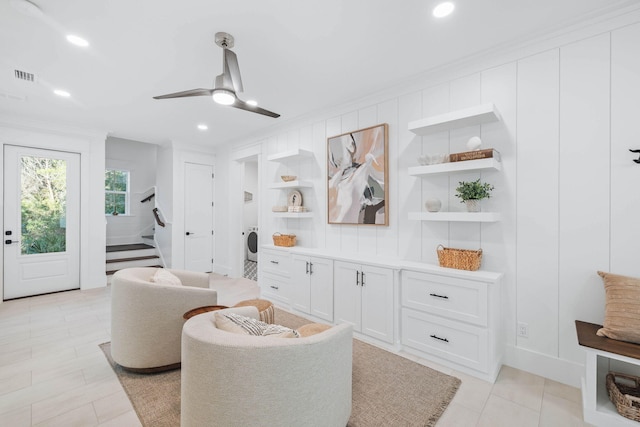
{"points": [[275, 275], [312, 286], [454, 319], [363, 297]]}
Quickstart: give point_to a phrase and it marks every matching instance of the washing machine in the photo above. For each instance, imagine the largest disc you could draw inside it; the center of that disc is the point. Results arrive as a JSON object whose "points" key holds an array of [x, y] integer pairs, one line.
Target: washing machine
{"points": [[252, 244]]}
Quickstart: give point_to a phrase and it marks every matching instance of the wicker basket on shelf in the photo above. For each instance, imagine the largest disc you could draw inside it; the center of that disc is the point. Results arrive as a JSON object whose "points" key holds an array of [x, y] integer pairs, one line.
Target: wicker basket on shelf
{"points": [[624, 392], [287, 240], [462, 259]]}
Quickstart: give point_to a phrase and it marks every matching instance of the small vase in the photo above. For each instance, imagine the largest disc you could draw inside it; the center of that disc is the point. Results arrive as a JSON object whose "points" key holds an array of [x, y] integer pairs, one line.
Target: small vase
{"points": [[433, 205], [473, 205]]}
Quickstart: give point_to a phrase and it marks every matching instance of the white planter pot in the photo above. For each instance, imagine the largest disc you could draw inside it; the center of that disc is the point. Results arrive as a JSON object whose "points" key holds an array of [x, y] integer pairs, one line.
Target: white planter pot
{"points": [[473, 205]]}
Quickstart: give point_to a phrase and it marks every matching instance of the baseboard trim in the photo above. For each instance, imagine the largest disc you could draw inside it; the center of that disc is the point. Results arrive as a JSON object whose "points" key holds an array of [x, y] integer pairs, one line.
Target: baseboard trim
{"points": [[560, 370], [97, 281], [222, 269]]}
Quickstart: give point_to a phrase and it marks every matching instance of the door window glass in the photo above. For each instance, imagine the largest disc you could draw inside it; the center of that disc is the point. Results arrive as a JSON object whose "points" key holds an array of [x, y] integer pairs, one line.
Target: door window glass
{"points": [[43, 205]]}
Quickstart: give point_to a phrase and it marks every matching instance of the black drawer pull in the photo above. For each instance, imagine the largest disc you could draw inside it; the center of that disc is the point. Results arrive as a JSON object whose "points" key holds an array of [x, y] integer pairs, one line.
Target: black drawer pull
{"points": [[439, 296], [274, 262], [438, 338], [274, 287]]}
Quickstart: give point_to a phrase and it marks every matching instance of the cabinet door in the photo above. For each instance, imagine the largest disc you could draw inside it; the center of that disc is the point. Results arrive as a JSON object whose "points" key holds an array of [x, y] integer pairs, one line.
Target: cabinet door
{"points": [[321, 289], [377, 302], [300, 295], [346, 294]]}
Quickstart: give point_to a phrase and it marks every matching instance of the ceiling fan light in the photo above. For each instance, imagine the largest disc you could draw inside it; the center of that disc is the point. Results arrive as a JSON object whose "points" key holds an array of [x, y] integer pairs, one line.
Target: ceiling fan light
{"points": [[224, 96]]}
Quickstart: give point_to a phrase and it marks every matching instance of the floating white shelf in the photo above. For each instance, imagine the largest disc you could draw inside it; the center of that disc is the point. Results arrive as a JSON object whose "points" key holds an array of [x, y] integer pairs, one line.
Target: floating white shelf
{"points": [[293, 214], [289, 155], [476, 115], [465, 166], [455, 216], [291, 184]]}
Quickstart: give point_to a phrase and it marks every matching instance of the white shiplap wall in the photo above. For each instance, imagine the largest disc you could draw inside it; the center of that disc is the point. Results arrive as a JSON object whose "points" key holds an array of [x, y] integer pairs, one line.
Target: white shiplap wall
{"points": [[567, 193]]}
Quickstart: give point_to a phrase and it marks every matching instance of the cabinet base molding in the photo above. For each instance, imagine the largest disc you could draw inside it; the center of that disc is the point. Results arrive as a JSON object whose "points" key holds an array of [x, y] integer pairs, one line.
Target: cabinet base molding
{"points": [[446, 366]]}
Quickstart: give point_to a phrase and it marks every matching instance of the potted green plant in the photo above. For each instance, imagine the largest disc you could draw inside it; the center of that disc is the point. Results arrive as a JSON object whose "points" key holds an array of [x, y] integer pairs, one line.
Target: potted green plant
{"points": [[472, 192]]}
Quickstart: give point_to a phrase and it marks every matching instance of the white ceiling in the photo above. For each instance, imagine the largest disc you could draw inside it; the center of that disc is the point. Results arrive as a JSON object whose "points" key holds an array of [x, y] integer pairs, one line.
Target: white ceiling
{"points": [[296, 57]]}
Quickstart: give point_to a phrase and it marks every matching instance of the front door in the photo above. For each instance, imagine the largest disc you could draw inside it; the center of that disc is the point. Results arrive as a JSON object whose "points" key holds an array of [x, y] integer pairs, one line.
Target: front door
{"points": [[198, 217], [41, 221]]}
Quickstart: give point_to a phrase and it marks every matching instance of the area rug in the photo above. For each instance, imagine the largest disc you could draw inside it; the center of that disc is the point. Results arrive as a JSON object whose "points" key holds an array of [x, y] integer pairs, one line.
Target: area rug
{"points": [[388, 390]]}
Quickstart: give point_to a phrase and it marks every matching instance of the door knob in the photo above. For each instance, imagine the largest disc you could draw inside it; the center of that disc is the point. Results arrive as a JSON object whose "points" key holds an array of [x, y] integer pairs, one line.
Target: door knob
{"points": [[188, 233], [9, 241]]}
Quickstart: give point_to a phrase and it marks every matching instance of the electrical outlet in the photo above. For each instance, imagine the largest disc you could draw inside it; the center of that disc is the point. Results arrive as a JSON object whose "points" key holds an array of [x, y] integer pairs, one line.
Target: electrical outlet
{"points": [[523, 330]]}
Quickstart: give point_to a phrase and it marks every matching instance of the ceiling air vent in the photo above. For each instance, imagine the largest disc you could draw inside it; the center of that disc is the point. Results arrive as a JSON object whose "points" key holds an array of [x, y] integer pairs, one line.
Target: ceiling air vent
{"points": [[25, 76]]}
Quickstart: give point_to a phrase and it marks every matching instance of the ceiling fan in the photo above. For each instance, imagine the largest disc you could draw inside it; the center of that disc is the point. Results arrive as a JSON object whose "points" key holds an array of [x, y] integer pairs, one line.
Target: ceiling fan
{"points": [[226, 84]]}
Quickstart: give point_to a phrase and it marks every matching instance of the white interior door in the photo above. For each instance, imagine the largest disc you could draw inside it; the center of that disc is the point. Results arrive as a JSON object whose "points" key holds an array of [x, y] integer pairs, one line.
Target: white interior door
{"points": [[198, 217], [41, 221]]}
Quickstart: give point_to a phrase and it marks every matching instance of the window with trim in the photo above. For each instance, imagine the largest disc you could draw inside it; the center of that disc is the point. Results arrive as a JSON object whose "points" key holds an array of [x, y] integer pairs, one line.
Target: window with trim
{"points": [[116, 192]]}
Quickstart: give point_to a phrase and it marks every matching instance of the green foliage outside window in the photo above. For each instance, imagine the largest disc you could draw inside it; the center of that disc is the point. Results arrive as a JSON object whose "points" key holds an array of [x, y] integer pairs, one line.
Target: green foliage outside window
{"points": [[116, 187], [43, 186]]}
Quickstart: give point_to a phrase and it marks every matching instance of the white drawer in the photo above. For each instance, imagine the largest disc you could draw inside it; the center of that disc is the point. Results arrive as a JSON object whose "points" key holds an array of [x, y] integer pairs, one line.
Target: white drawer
{"points": [[457, 299], [450, 340], [275, 262], [273, 286]]}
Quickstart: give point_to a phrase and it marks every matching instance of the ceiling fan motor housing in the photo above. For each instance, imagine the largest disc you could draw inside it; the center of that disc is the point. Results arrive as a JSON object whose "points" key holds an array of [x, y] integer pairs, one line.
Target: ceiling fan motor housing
{"points": [[224, 40]]}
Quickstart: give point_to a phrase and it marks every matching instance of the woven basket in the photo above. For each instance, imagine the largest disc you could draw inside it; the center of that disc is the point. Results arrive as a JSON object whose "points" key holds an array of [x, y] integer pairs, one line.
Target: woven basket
{"points": [[462, 259], [625, 394], [287, 240]]}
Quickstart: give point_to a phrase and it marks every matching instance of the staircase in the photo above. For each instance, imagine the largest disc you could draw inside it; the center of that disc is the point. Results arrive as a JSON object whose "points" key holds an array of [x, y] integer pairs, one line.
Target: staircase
{"points": [[133, 255]]}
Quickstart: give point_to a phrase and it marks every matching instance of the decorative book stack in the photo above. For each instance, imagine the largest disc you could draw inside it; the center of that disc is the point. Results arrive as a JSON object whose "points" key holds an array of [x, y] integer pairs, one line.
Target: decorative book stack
{"points": [[298, 209], [474, 155]]}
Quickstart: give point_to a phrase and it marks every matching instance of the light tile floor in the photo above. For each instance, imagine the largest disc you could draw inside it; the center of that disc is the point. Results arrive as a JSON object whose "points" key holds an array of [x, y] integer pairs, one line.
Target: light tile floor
{"points": [[52, 373]]}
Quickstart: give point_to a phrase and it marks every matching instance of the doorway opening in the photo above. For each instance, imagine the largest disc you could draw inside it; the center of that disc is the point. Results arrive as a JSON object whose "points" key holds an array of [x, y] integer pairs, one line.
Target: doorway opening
{"points": [[250, 232]]}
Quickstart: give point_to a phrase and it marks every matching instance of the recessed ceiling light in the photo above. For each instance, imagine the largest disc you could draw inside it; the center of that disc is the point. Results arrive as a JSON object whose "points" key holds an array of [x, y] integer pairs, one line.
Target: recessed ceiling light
{"points": [[62, 93], [443, 9], [202, 126], [77, 40], [252, 102]]}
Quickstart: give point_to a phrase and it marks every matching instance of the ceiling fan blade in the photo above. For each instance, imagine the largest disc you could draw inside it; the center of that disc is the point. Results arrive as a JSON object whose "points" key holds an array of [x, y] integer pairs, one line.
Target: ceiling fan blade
{"points": [[244, 106], [231, 68], [186, 93]]}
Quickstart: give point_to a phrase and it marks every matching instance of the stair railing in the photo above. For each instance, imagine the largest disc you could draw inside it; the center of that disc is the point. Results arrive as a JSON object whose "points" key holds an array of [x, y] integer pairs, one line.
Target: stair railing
{"points": [[157, 217], [146, 199]]}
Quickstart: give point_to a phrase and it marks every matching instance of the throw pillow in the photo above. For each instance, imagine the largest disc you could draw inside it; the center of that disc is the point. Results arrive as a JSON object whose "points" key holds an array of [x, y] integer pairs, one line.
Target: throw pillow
{"points": [[232, 322], [224, 323], [622, 308], [164, 277]]}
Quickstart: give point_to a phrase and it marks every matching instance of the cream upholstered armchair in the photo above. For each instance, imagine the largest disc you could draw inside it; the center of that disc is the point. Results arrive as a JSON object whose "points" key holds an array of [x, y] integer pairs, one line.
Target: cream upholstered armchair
{"points": [[230, 379], [146, 316]]}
